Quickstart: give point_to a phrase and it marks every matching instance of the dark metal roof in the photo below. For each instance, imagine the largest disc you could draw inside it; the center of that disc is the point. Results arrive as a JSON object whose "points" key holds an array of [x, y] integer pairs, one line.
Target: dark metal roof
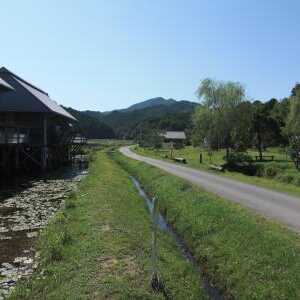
{"points": [[4, 85], [26, 97]]}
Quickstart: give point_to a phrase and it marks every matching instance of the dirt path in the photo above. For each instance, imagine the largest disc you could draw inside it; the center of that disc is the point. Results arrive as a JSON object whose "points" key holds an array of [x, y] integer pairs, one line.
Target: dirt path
{"points": [[280, 206]]}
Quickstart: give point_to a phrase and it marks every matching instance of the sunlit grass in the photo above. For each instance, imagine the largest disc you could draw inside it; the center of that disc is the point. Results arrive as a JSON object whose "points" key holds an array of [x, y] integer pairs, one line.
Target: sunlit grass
{"points": [[248, 256], [99, 246], [287, 178]]}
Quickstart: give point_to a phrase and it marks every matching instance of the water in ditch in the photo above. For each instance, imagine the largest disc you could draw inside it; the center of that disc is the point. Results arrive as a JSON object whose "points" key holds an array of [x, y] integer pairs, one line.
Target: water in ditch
{"points": [[212, 292]]}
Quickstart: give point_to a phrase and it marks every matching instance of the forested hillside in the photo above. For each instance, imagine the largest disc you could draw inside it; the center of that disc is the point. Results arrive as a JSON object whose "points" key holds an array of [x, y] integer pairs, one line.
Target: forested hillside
{"points": [[91, 127], [157, 112]]}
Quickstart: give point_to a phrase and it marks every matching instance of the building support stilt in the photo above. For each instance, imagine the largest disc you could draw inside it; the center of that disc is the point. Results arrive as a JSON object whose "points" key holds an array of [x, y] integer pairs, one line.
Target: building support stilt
{"points": [[45, 144]]}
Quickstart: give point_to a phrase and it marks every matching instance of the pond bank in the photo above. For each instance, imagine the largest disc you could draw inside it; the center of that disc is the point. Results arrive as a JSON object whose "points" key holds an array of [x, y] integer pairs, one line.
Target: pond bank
{"points": [[25, 209], [99, 246]]}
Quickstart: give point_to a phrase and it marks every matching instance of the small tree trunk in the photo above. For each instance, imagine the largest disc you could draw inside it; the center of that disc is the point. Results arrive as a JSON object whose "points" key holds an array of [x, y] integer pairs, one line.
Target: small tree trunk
{"points": [[260, 147], [227, 153], [260, 153]]}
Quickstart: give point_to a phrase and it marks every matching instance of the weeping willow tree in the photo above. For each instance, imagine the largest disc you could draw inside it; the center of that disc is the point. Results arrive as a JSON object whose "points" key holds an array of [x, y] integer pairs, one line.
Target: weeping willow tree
{"points": [[215, 118]]}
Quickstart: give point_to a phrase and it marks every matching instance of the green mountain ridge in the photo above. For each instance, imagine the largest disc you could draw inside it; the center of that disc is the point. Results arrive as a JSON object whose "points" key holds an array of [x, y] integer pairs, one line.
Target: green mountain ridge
{"points": [[165, 114]]}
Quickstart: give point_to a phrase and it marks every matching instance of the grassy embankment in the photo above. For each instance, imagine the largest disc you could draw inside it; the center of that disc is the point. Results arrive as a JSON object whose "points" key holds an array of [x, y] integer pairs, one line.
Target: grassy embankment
{"points": [[98, 247], [279, 174], [246, 255]]}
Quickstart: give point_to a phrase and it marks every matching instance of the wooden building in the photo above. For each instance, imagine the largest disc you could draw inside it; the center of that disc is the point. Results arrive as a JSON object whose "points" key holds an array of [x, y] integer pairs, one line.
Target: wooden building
{"points": [[175, 138], [35, 132]]}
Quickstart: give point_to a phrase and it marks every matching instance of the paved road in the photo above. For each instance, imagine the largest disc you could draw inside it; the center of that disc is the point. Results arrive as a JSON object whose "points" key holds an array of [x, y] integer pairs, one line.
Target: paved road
{"points": [[279, 206]]}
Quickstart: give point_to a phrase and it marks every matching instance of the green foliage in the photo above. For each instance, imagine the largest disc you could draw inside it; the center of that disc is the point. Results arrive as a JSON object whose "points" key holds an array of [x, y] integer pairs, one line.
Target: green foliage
{"points": [[91, 127], [292, 128], [57, 236], [240, 162], [164, 115], [271, 171], [151, 138], [261, 175], [266, 129], [237, 158], [215, 122]]}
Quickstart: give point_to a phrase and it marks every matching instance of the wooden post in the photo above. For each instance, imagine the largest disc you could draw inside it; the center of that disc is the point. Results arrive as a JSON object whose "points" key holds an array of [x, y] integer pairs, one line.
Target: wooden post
{"points": [[45, 144], [172, 150], [18, 149], [200, 158]]}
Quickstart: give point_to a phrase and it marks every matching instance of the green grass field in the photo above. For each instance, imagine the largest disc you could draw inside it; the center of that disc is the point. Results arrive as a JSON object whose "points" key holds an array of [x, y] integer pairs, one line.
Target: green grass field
{"points": [[98, 246], [279, 175], [247, 256]]}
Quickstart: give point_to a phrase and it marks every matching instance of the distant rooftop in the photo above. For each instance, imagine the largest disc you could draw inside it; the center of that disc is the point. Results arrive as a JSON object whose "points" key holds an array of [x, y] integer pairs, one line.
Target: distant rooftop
{"points": [[175, 135]]}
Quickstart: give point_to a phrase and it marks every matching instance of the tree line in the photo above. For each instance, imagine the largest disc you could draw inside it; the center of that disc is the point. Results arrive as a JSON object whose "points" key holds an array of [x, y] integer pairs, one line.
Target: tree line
{"points": [[226, 119]]}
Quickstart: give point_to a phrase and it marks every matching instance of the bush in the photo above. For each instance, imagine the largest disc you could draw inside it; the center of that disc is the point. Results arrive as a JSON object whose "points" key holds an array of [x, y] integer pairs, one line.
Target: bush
{"points": [[240, 162], [271, 171], [286, 178], [297, 181], [235, 158], [259, 170]]}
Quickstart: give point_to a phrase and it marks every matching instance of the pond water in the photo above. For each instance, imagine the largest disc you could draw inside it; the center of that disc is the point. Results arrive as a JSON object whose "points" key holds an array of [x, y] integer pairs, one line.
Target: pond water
{"points": [[25, 208]]}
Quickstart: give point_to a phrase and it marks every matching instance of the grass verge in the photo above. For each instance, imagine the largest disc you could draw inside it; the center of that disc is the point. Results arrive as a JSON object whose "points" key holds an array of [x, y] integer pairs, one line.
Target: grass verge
{"points": [[279, 175], [98, 247], [248, 256]]}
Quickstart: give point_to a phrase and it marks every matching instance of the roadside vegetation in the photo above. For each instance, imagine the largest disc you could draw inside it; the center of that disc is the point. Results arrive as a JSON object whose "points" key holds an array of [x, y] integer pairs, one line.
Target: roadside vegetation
{"points": [[99, 246], [252, 141], [279, 174], [247, 256]]}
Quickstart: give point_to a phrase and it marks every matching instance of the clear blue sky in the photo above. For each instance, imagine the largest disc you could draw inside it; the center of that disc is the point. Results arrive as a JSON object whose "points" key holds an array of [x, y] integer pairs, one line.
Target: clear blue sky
{"points": [[108, 54]]}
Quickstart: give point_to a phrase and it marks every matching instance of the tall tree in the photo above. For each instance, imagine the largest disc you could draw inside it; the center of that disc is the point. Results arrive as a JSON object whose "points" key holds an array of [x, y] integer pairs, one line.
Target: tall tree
{"points": [[215, 119], [295, 89], [266, 130], [292, 127], [242, 130]]}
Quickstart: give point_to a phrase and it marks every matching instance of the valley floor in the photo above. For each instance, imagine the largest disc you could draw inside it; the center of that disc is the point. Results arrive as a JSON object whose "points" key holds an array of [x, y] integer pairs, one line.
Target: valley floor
{"points": [[279, 206], [279, 175], [99, 246], [246, 255]]}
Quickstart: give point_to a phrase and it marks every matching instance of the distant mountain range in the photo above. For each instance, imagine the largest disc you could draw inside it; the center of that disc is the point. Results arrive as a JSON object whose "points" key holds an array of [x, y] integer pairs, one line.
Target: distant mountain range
{"points": [[123, 123], [150, 103]]}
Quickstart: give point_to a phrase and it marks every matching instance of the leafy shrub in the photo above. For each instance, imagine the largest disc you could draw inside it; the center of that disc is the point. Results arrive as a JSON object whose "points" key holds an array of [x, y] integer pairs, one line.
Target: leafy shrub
{"points": [[271, 171], [286, 178], [237, 158], [240, 162], [259, 170], [297, 181]]}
